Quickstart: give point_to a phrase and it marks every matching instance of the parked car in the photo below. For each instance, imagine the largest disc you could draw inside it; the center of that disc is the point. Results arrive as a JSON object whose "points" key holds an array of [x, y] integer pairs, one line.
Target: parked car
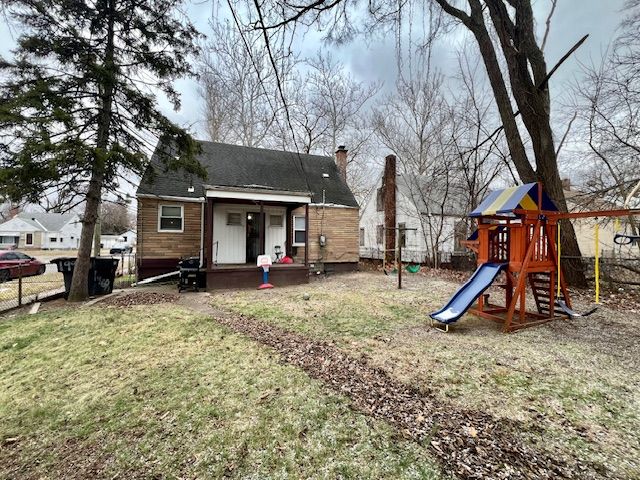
{"points": [[13, 264], [119, 248]]}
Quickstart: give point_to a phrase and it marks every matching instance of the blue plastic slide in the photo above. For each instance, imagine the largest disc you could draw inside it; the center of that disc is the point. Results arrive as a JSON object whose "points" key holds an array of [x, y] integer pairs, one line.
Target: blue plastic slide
{"points": [[468, 293]]}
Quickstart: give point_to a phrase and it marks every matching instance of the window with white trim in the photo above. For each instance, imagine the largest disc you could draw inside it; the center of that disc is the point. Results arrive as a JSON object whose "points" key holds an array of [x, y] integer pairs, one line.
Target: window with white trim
{"points": [[29, 239], [170, 218], [234, 218], [299, 231], [361, 236], [53, 239], [275, 220]]}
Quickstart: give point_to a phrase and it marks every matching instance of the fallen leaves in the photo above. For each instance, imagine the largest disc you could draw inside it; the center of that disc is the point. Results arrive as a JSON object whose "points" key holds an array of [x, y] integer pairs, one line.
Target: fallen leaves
{"points": [[469, 444], [130, 299]]}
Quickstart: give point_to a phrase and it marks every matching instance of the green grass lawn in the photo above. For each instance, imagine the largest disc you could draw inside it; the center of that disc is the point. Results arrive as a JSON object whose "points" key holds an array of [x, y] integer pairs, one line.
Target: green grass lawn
{"points": [[161, 392], [573, 385]]}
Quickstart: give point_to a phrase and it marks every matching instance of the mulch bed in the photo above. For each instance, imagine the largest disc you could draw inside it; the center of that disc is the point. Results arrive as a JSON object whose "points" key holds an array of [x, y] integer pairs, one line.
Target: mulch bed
{"points": [[468, 444], [140, 298]]}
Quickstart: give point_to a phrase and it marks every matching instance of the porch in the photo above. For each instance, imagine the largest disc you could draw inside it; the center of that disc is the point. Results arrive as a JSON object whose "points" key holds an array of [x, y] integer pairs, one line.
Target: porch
{"points": [[248, 275], [242, 223]]}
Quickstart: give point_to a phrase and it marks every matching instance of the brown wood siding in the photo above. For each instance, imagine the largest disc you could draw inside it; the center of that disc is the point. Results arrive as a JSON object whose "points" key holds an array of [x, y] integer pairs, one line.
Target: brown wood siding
{"points": [[154, 244], [341, 227]]}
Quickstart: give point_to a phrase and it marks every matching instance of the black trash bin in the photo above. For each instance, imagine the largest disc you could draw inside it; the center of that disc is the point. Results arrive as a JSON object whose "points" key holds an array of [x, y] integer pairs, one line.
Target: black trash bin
{"points": [[102, 274]]}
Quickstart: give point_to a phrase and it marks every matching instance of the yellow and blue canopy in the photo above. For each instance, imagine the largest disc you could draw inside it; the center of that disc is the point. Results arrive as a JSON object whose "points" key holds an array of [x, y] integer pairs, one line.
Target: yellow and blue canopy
{"points": [[504, 202]]}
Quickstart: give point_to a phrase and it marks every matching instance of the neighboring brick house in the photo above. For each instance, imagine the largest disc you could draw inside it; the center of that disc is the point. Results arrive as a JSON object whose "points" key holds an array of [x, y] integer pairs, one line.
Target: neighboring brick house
{"points": [[254, 201]]}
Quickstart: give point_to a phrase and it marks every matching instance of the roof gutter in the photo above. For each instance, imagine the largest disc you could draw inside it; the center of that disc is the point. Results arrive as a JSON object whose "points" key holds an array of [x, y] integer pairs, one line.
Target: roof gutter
{"points": [[171, 198]]}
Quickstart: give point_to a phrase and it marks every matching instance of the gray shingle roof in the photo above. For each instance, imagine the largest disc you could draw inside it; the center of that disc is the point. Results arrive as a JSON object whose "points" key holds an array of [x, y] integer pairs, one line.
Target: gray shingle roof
{"points": [[238, 166], [52, 222]]}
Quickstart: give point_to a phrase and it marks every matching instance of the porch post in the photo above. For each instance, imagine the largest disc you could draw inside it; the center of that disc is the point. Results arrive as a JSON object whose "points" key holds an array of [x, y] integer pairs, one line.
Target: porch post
{"points": [[289, 236], [263, 223], [306, 234], [208, 233]]}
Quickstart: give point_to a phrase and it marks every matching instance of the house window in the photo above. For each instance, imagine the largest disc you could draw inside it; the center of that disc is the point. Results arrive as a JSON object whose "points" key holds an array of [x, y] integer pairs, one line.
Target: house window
{"points": [[124, 238], [299, 231], [403, 234], [234, 218], [170, 218], [53, 239], [379, 201], [362, 237], [275, 220], [29, 239], [379, 234]]}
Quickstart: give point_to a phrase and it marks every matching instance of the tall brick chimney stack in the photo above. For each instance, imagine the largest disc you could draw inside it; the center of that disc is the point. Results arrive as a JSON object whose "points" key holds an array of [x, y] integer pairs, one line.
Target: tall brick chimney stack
{"points": [[341, 161], [389, 195]]}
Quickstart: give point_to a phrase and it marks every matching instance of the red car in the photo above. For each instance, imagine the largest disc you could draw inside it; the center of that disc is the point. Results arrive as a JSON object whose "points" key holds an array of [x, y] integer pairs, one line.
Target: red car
{"points": [[12, 262]]}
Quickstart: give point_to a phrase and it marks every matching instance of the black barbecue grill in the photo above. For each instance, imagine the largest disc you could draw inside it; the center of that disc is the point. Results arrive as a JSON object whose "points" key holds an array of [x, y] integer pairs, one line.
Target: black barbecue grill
{"points": [[191, 275]]}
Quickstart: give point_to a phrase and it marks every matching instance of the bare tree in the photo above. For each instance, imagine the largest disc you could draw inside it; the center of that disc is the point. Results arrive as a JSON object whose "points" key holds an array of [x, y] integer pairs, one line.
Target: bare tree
{"points": [[409, 120], [115, 217], [608, 100], [238, 88], [472, 111], [514, 25]]}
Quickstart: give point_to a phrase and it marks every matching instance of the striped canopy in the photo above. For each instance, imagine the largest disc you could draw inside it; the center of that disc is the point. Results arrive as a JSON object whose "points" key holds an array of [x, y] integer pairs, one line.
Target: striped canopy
{"points": [[504, 202]]}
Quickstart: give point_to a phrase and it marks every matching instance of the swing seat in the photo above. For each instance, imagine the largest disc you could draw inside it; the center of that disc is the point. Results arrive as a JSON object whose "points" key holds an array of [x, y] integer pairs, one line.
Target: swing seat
{"points": [[621, 239], [572, 313]]}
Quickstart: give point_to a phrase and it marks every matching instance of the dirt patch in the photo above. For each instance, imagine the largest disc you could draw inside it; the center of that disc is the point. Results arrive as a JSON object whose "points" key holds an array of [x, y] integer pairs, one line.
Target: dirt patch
{"points": [[469, 444], [140, 298]]}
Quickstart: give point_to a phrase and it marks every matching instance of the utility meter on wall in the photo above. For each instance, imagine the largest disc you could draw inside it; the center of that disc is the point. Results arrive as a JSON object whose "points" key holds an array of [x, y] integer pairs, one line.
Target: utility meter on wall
{"points": [[323, 240]]}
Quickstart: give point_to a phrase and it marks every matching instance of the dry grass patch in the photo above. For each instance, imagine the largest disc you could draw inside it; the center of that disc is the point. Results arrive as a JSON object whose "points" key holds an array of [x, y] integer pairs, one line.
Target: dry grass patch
{"points": [[158, 391], [575, 385], [33, 285]]}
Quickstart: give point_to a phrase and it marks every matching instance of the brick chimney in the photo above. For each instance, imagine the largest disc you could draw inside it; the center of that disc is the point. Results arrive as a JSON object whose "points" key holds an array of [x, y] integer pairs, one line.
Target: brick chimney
{"points": [[341, 161], [389, 195], [566, 184]]}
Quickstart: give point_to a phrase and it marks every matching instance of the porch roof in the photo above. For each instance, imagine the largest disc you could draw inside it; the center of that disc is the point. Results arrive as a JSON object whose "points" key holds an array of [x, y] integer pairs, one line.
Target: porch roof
{"points": [[257, 193]]}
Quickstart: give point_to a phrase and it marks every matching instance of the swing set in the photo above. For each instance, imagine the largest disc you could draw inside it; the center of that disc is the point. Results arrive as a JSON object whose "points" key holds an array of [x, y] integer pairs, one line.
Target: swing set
{"points": [[519, 234]]}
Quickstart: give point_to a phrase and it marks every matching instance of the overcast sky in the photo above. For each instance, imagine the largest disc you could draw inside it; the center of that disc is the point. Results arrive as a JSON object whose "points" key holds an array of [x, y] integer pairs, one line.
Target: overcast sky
{"points": [[374, 59]]}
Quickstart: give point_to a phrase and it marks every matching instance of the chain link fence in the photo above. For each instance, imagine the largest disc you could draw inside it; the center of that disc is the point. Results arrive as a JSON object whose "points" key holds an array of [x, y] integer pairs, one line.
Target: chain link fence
{"points": [[20, 289], [615, 271]]}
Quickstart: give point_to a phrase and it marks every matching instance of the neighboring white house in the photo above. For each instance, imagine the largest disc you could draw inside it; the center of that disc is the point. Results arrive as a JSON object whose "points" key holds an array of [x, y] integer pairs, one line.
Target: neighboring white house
{"points": [[107, 240], [36, 230], [436, 212]]}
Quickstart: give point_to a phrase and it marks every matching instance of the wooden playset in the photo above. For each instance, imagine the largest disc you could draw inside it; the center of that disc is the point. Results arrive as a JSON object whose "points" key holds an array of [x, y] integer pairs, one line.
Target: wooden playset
{"points": [[518, 234]]}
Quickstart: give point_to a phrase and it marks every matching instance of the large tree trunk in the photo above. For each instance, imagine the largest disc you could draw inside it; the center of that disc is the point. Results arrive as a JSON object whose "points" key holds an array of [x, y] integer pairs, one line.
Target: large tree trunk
{"points": [[79, 286], [523, 57]]}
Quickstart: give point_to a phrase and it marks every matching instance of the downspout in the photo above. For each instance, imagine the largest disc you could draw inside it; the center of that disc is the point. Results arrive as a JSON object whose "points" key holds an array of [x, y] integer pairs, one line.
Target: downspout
{"points": [[202, 233]]}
